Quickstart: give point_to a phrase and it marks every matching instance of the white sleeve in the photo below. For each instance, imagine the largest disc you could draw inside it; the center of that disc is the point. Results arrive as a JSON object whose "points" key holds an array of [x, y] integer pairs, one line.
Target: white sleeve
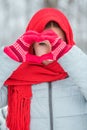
{"points": [[7, 66], [75, 63], [3, 97]]}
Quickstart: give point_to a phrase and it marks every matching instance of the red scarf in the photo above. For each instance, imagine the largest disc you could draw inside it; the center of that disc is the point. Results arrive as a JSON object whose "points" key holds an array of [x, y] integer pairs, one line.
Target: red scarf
{"points": [[20, 91]]}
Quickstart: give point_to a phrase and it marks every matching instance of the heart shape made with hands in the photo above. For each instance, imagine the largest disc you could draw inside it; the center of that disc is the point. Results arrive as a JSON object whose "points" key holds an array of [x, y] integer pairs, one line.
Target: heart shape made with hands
{"points": [[45, 46]]}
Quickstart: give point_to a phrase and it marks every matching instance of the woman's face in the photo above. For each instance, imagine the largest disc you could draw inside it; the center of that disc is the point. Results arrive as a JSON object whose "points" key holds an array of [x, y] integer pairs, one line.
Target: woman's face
{"points": [[57, 29], [41, 49], [59, 32]]}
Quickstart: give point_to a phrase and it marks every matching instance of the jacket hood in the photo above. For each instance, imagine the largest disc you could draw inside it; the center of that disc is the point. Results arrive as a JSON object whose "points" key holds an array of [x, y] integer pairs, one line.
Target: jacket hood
{"points": [[43, 16]]}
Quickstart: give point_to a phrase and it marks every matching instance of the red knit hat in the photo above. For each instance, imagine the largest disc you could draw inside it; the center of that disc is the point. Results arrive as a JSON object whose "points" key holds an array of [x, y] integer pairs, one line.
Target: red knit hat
{"points": [[43, 16]]}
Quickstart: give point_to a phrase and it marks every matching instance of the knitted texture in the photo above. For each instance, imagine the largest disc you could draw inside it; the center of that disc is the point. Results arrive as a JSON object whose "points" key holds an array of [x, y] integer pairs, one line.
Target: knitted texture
{"points": [[20, 91], [21, 49], [43, 16], [29, 73]]}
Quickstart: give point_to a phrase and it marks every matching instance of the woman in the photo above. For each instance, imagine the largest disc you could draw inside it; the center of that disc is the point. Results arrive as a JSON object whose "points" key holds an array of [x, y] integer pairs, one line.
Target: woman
{"points": [[61, 104]]}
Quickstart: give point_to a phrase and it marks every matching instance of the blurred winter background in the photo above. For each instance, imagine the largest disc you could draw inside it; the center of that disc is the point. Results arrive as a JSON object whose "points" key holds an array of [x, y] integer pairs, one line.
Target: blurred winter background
{"points": [[15, 14]]}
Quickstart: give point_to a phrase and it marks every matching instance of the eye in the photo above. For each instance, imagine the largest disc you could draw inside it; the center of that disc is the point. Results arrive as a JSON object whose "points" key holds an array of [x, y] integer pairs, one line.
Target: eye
{"points": [[42, 43]]}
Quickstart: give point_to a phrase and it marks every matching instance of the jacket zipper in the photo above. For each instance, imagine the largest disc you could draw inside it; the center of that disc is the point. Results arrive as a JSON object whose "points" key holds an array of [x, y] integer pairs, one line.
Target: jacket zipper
{"points": [[50, 105]]}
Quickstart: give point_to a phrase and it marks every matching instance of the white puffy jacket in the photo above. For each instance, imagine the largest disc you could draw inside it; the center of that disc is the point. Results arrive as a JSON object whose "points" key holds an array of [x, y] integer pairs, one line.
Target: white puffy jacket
{"points": [[60, 105]]}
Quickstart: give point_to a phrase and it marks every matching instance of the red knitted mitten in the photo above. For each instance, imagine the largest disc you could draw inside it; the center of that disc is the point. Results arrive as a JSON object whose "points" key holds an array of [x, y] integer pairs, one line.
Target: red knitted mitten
{"points": [[59, 48], [20, 48]]}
